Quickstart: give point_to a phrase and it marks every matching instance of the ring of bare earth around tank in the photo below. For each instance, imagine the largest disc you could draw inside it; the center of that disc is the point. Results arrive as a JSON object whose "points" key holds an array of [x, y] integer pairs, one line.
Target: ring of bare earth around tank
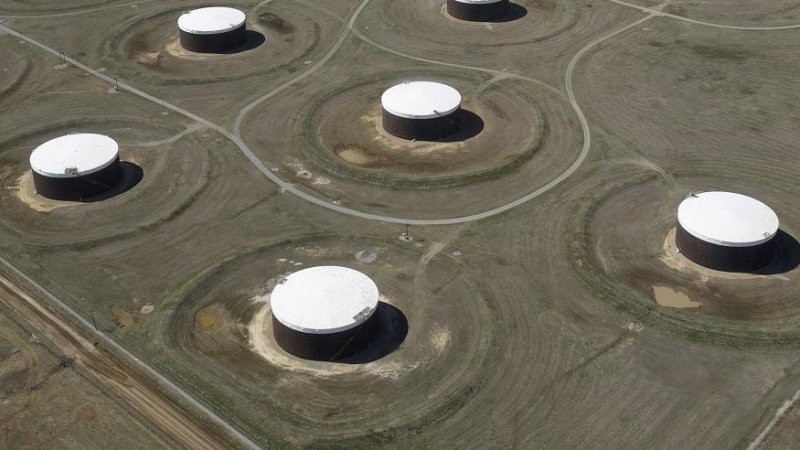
{"points": [[144, 173], [151, 47], [501, 130], [224, 319], [636, 267]]}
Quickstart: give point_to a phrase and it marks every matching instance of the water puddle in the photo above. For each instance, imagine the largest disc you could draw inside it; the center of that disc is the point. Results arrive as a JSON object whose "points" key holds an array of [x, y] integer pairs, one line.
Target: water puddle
{"points": [[666, 296]]}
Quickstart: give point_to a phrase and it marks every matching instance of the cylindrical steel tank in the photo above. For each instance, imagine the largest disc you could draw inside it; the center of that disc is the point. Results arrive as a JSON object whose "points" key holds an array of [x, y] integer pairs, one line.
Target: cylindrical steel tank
{"points": [[478, 10], [76, 166], [421, 110], [212, 30], [325, 313], [726, 231]]}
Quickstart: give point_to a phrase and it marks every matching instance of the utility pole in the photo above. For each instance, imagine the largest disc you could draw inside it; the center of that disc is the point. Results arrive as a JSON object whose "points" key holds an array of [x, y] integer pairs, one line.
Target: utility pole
{"points": [[405, 236], [91, 311]]}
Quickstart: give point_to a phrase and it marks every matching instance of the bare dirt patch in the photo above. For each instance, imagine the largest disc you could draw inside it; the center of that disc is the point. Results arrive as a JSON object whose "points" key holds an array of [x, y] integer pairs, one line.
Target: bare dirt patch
{"points": [[440, 338], [146, 58], [26, 193], [666, 296], [213, 320], [357, 156], [123, 318], [366, 256]]}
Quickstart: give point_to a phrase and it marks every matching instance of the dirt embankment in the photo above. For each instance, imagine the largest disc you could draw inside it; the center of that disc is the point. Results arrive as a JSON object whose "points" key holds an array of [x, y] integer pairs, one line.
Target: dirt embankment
{"points": [[133, 389]]}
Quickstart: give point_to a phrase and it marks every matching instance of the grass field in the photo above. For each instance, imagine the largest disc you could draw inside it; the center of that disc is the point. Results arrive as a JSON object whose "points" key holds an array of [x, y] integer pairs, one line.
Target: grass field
{"points": [[49, 404], [537, 327]]}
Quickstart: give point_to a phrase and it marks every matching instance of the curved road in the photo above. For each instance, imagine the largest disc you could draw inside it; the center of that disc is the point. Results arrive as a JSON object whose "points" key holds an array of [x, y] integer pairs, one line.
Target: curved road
{"points": [[288, 187]]}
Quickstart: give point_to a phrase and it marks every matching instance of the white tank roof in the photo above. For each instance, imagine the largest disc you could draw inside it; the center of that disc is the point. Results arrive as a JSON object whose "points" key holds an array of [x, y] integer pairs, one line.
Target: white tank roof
{"points": [[74, 155], [420, 100], [211, 20], [324, 299], [478, 1], [728, 219]]}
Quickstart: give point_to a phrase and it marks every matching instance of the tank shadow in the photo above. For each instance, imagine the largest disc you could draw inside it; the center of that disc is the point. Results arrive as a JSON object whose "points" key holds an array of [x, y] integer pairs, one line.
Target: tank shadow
{"points": [[253, 40], [787, 255], [471, 126], [515, 12], [392, 331], [131, 175]]}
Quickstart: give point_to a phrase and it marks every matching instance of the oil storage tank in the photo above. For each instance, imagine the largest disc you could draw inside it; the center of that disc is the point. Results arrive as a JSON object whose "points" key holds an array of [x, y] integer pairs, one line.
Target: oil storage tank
{"points": [[478, 10], [213, 29], [726, 231], [325, 313], [75, 166], [422, 110]]}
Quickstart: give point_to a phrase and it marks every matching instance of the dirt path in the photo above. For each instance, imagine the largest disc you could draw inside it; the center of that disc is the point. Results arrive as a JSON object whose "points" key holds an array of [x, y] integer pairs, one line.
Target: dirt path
{"points": [[172, 139], [785, 408], [133, 389], [658, 12]]}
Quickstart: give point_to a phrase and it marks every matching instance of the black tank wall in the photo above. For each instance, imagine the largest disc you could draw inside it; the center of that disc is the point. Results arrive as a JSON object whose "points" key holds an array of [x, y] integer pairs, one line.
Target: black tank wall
{"points": [[422, 129], [477, 12], [214, 43], [78, 188], [326, 347], [720, 257]]}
